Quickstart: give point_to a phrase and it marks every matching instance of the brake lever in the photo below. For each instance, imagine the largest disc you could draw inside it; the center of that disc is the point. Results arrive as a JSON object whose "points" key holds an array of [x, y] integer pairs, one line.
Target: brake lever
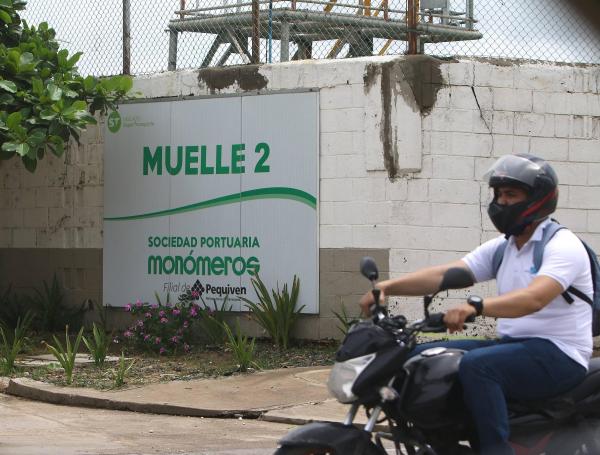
{"points": [[434, 324]]}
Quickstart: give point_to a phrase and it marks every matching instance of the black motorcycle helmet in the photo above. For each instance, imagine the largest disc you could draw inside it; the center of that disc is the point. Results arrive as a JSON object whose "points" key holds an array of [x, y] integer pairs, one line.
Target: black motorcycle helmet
{"points": [[533, 175]]}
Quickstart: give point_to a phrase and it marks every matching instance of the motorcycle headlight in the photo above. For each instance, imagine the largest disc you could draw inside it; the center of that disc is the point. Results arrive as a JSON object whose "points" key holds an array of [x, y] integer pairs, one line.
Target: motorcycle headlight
{"points": [[344, 374]]}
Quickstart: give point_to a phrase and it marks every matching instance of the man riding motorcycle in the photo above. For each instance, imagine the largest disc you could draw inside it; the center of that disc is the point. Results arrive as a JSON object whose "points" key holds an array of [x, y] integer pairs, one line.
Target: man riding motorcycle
{"points": [[544, 343]]}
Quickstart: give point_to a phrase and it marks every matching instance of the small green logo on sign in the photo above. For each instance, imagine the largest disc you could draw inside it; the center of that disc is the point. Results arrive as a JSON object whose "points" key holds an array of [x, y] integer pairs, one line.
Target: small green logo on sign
{"points": [[114, 122]]}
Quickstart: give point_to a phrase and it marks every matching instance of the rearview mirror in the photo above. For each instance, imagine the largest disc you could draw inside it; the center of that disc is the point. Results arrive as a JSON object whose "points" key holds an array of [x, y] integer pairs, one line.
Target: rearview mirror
{"points": [[456, 278], [368, 268]]}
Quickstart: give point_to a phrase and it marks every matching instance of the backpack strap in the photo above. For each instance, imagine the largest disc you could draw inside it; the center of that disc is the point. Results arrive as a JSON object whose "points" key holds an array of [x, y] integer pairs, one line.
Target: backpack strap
{"points": [[498, 256], [538, 249], [538, 255], [578, 293]]}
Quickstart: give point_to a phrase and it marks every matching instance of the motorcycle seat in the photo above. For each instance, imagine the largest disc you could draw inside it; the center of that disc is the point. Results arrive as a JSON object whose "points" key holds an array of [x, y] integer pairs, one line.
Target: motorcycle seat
{"points": [[581, 398]]}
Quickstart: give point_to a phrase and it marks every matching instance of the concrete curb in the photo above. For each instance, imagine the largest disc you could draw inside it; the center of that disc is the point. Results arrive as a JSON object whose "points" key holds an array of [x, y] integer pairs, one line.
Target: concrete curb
{"points": [[30, 391], [288, 396]]}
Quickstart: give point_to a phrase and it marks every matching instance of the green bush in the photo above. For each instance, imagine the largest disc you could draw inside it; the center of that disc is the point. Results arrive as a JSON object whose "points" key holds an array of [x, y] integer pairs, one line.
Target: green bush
{"points": [[276, 311], [98, 345], [12, 342], [52, 314], [165, 329], [345, 320], [121, 371], [212, 321], [43, 99], [66, 356], [13, 308], [241, 347]]}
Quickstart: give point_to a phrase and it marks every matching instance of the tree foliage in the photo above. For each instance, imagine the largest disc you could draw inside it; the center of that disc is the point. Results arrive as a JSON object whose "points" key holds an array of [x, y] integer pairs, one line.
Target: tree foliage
{"points": [[43, 99]]}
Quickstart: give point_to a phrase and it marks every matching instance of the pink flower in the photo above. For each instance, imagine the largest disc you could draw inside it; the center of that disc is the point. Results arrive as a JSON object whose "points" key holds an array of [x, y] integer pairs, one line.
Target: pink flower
{"points": [[175, 339], [154, 306], [128, 307], [186, 324], [146, 337], [140, 323], [195, 294], [163, 320], [193, 312], [148, 315], [162, 314], [186, 347], [176, 312], [138, 304], [162, 351], [157, 340], [127, 334]]}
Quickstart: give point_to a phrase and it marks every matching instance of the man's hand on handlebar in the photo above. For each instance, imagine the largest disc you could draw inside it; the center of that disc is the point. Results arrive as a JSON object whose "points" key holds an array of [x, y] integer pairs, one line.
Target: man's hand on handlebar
{"points": [[456, 317], [367, 301]]}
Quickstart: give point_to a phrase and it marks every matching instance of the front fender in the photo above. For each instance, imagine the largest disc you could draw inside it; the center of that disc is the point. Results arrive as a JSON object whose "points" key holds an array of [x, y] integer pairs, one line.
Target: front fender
{"points": [[340, 438]]}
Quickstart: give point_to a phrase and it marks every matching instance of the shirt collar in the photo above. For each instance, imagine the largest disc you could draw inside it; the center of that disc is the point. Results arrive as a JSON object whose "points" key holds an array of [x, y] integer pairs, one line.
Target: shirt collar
{"points": [[537, 234]]}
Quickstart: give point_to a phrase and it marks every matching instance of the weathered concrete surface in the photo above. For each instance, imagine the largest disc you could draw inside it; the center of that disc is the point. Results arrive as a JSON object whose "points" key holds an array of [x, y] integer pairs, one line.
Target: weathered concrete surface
{"points": [[329, 410], [34, 428], [245, 395]]}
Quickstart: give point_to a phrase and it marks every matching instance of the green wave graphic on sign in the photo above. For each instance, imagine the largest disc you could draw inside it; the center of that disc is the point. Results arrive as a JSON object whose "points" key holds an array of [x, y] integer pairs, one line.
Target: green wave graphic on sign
{"points": [[261, 193]]}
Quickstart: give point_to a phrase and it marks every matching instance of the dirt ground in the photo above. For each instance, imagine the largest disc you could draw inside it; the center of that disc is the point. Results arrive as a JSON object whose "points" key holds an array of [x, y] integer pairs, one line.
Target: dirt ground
{"points": [[203, 362]]}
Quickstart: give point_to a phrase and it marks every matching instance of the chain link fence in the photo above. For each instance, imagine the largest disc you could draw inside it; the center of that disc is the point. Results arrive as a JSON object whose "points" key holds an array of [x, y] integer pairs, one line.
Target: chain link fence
{"points": [[149, 36]]}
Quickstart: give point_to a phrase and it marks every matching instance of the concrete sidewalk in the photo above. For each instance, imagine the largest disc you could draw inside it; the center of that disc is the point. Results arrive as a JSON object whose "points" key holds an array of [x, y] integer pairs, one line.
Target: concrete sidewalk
{"points": [[294, 396]]}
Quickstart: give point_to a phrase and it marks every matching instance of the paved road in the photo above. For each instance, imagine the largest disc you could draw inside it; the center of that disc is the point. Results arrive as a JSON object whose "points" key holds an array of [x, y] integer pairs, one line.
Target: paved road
{"points": [[34, 428]]}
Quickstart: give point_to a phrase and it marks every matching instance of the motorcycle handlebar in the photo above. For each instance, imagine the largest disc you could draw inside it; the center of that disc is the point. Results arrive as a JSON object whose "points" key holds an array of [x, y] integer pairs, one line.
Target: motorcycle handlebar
{"points": [[435, 323]]}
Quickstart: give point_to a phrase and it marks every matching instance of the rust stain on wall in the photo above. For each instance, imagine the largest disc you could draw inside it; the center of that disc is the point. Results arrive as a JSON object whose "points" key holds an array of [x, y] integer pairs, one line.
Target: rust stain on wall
{"points": [[247, 77], [388, 94], [417, 79]]}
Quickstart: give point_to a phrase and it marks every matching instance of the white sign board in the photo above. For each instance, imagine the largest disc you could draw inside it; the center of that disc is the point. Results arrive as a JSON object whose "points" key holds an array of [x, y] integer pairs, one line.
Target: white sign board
{"points": [[203, 194]]}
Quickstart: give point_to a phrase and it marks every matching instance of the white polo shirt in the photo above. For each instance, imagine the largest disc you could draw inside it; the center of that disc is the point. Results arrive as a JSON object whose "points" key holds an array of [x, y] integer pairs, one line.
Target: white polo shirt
{"points": [[568, 326]]}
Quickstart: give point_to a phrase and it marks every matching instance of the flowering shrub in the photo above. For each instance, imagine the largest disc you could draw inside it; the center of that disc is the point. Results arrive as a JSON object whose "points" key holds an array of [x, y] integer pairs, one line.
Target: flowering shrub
{"points": [[166, 329]]}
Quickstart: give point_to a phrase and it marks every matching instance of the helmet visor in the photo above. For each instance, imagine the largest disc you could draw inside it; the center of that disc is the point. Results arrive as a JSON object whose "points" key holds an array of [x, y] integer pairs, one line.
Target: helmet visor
{"points": [[513, 168]]}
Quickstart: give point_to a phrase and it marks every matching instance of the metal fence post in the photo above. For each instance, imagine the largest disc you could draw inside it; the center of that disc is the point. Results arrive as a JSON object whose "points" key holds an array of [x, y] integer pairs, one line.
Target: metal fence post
{"points": [[470, 14], [411, 19], [173, 36], [255, 33], [126, 37], [285, 41]]}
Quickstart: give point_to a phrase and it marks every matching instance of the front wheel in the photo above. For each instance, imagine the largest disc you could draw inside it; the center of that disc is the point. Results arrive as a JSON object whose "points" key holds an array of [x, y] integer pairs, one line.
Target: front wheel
{"points": [[303, 451]]}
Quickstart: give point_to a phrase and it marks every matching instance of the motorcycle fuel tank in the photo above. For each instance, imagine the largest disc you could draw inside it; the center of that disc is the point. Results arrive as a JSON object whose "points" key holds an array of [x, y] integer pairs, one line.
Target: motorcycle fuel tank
{"points": [[432, 395]]}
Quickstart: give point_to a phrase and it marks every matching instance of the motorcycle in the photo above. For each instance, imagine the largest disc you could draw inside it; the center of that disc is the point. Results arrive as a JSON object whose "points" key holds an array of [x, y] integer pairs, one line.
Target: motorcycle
{"points": [[419, 399]]}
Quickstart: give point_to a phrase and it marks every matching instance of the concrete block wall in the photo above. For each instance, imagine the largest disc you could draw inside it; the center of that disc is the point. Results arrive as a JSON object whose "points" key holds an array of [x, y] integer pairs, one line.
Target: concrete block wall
{"points": [[404, 142], [51, 221]]}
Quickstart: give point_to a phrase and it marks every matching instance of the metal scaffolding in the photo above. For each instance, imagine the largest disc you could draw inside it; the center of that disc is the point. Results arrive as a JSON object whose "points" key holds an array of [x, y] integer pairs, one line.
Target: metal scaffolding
{"points": [[290, 22]]}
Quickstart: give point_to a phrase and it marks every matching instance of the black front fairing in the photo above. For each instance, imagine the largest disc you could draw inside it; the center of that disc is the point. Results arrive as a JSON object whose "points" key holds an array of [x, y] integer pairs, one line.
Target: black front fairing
{"points": [[362, 339], [387, 364]]}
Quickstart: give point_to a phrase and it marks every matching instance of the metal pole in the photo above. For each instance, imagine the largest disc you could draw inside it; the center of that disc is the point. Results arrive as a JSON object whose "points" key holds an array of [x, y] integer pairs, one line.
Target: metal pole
{"points": [[181, 8], [285, 41], [271, 31], [255, 33], [470, 14], [411, 22], [173, 35], [126, 37]]}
